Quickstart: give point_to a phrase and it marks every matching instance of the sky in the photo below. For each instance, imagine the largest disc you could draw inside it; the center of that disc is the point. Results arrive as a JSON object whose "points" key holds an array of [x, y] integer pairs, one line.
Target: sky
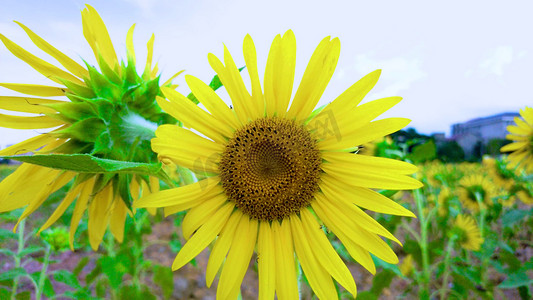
{"points": [[451, 61]]}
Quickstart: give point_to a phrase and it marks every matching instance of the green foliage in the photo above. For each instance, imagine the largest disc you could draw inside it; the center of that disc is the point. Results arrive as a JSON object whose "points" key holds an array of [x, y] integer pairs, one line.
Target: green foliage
{"points": [[450, 152], [164, 278], [84, 163], [423, 152]]}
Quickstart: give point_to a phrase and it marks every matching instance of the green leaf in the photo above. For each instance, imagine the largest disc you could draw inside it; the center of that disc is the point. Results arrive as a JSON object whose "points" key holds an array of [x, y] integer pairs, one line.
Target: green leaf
{"points": [[524, 292], [81, 264], [67, 278], [86, 130], [5, 294], [7, 252], [386, 266], [381, 281], [511, 260], [48, 288], [7, 234], [12, 274], [516, 280], [366, 295], [26, 295], [423, 152], [85, 163], [114, 268], [93, 274], [30, 250], [164, 278], [512, 217]]}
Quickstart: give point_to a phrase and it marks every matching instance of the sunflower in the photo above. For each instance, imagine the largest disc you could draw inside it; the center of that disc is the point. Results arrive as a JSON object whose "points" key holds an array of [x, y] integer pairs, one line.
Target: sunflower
{"points": [[467, 233], [525, 195], [522, 137], [474, 188], [500, 174], [407, 265], [444, 200], [278, 174], [110, 113]]}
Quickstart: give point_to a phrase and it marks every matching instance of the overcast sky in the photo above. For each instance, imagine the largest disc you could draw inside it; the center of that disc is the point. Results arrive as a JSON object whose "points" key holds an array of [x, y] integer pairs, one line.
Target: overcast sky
{"points": [[451, 62]]}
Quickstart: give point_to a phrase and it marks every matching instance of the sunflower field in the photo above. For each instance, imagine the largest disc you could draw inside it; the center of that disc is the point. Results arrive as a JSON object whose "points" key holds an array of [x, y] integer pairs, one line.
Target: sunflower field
{"points": [[137, 191]]}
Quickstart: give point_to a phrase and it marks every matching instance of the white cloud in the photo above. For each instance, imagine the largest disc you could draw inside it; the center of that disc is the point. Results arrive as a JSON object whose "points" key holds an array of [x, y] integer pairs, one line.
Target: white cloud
{"points": [[497, 60], [399, 72]]}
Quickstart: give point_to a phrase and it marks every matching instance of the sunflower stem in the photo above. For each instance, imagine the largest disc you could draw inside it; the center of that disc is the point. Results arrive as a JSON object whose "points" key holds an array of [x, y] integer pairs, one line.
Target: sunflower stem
{"points": [[42, 276], [424, 290], [482, 213], [20, 247], [447, 260]]}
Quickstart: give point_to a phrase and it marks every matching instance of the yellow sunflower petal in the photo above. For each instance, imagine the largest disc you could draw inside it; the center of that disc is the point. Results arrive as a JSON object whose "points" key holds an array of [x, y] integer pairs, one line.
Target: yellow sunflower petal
{"points": [[74, 67], [348, 123], [169, 81], [358, 253], [155, 70], [36, 89], [194, 157], [266, 262], [238, 259], [17, 122], [27, 104], [185, 197], [169, 131], [517, 130], [211, 101], [257, 105], [56, 180], [199, 214], [319, 279], [350, 98], [315, 79], [100, 40], [221, 247], [232, 81], [15, 193], [118, 218], [363, 220], [522, 124], [365, 134], [527, 114], [365, 163], [99, 215], [514, 146], [149, 55], [336, 220], [129, 44], [28, 145], [48, 70], [61, 208], [516, 137], [325, 253], [81, 205], [381, 180], [279, 74], [203, 237], [286, 281], [193, 116], [363, 197]]}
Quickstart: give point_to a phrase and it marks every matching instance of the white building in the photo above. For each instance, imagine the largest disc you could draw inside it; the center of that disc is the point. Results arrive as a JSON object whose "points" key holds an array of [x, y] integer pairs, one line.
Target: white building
{"points": [[482, 130]]}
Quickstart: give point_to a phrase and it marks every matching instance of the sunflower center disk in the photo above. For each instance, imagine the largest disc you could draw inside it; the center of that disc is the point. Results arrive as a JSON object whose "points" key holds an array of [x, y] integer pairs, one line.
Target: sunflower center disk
{"points": [[270, 168]]}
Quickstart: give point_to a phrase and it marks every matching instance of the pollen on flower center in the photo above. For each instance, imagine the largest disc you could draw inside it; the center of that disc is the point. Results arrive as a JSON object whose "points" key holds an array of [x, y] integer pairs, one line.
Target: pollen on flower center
{"points": [[270, 168]]}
